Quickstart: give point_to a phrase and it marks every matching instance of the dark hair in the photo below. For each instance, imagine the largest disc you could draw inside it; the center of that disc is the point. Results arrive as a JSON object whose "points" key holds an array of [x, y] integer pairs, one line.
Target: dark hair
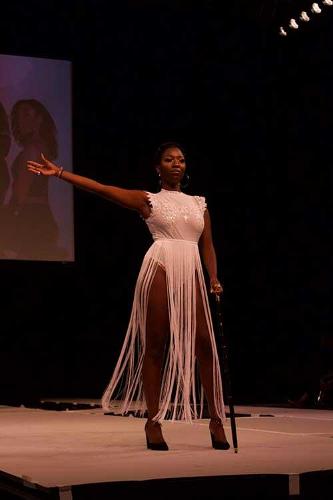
{"points": [[162, 148], [48, 130]]}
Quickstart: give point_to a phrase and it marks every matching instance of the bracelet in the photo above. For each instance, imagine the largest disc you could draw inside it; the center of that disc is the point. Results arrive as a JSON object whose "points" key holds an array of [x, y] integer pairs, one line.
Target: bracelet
{"points": [[60, 171]]}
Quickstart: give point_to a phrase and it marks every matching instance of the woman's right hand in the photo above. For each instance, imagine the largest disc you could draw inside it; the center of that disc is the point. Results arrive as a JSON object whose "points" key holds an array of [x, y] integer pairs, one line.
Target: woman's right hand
{"points": [[46, 168]]}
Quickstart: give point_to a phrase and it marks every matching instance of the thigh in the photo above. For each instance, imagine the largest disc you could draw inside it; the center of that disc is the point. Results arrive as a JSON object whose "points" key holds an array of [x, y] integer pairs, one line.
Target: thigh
{"points": [[157, 325]]}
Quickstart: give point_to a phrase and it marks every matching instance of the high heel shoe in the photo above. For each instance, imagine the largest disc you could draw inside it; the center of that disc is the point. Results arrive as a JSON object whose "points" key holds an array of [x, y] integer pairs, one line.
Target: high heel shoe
{"points": [[216, 444], [159, 445]]}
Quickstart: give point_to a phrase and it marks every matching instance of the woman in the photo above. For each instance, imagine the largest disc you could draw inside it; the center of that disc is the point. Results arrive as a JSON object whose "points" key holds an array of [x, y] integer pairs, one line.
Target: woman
{"points": [[5, 142], [30, 230], [170, 304]]}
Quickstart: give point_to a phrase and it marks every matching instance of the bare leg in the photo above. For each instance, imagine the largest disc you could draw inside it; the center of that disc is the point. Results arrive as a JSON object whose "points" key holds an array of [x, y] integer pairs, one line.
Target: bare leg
{"points": [[204, 354], [157, 334]]}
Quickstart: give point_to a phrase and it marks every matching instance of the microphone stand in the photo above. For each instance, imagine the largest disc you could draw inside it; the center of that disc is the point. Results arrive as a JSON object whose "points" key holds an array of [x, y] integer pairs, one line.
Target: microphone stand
{"points": [[223, 350]]}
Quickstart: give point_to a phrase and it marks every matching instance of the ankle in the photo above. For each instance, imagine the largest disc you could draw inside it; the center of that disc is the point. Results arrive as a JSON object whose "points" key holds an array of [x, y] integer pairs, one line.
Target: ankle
{"points": [[216, 420], [152, 423]]}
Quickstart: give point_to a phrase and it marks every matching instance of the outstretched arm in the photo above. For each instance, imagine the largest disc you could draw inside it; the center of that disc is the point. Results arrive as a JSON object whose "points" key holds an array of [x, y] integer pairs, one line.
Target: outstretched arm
{"points": [[207, 251], [129, 198]]}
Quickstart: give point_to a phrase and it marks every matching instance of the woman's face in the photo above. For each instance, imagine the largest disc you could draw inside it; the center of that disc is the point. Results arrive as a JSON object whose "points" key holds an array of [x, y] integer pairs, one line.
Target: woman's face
{"points": [[172, 166], [28, 120]]}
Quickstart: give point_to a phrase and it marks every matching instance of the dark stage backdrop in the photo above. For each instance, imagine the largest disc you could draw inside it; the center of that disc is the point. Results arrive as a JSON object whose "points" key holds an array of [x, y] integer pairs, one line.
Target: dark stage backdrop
{"points": [[254, 113]]}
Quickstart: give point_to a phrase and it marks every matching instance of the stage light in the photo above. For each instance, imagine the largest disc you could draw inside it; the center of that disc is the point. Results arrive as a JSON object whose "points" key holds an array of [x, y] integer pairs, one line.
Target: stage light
{"points": [[304, 16], [315, 8], [293, 24]]}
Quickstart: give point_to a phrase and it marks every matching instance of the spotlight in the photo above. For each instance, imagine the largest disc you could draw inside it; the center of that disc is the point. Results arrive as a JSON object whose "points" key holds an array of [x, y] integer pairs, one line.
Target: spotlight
{"points": [[304, 16], [327, 2], [315, 8], [293, 24], [282, 31]]}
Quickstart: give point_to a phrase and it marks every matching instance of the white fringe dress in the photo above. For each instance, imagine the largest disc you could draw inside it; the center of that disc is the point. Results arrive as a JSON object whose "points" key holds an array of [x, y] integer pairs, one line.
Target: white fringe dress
{"points": [[176, 223]]}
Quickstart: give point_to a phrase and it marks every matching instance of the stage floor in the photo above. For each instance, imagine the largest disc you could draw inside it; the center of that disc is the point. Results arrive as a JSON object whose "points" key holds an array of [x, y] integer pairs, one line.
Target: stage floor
{"points": [[82, 453]]}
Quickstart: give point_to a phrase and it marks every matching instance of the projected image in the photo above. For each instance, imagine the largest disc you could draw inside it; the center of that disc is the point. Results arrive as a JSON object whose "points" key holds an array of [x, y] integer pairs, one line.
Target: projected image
{"points": [[36, 213]]}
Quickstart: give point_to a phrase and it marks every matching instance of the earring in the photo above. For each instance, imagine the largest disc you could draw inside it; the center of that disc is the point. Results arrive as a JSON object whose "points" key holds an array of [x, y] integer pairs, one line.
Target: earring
{"points": [[185, 181]]}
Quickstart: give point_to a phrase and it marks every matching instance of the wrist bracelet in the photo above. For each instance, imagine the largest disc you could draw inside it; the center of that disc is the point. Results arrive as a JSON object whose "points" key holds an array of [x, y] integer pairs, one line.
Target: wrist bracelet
{"points": [[60, 171]]}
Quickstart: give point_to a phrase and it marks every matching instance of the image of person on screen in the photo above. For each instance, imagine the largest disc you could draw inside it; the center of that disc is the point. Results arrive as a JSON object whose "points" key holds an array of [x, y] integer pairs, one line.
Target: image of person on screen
{"points": [[170, 337], [5, 142], [30, 230]]}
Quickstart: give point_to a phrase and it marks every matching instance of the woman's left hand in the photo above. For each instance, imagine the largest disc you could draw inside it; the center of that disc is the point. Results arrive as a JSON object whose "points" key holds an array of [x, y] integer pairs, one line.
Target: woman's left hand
{"points": [[216, 287]]}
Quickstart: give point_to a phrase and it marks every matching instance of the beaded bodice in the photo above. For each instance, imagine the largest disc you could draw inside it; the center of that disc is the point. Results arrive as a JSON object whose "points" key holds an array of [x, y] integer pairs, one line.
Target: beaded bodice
{"points": [[176, 215]]}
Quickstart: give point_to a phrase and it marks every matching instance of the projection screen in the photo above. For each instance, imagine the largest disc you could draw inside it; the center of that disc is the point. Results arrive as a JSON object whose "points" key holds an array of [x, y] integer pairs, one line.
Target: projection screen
{"points": [[36, 212]]}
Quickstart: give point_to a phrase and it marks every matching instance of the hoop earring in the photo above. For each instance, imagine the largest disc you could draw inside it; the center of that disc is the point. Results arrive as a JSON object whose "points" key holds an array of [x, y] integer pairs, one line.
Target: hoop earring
{"points": [[185, 181]]}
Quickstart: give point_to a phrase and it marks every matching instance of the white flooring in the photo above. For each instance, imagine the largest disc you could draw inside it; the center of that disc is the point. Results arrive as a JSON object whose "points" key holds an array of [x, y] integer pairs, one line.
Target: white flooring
{"points": [[61, 448]]}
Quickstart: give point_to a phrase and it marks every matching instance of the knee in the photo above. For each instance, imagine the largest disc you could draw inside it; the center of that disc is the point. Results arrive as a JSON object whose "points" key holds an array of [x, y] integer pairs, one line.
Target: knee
{"points": [[204, 348], [155, 351]]}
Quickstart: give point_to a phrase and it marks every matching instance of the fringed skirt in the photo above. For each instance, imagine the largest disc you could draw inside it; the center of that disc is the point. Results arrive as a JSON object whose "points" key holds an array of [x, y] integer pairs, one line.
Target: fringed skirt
{"points": [[181, 396]]}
